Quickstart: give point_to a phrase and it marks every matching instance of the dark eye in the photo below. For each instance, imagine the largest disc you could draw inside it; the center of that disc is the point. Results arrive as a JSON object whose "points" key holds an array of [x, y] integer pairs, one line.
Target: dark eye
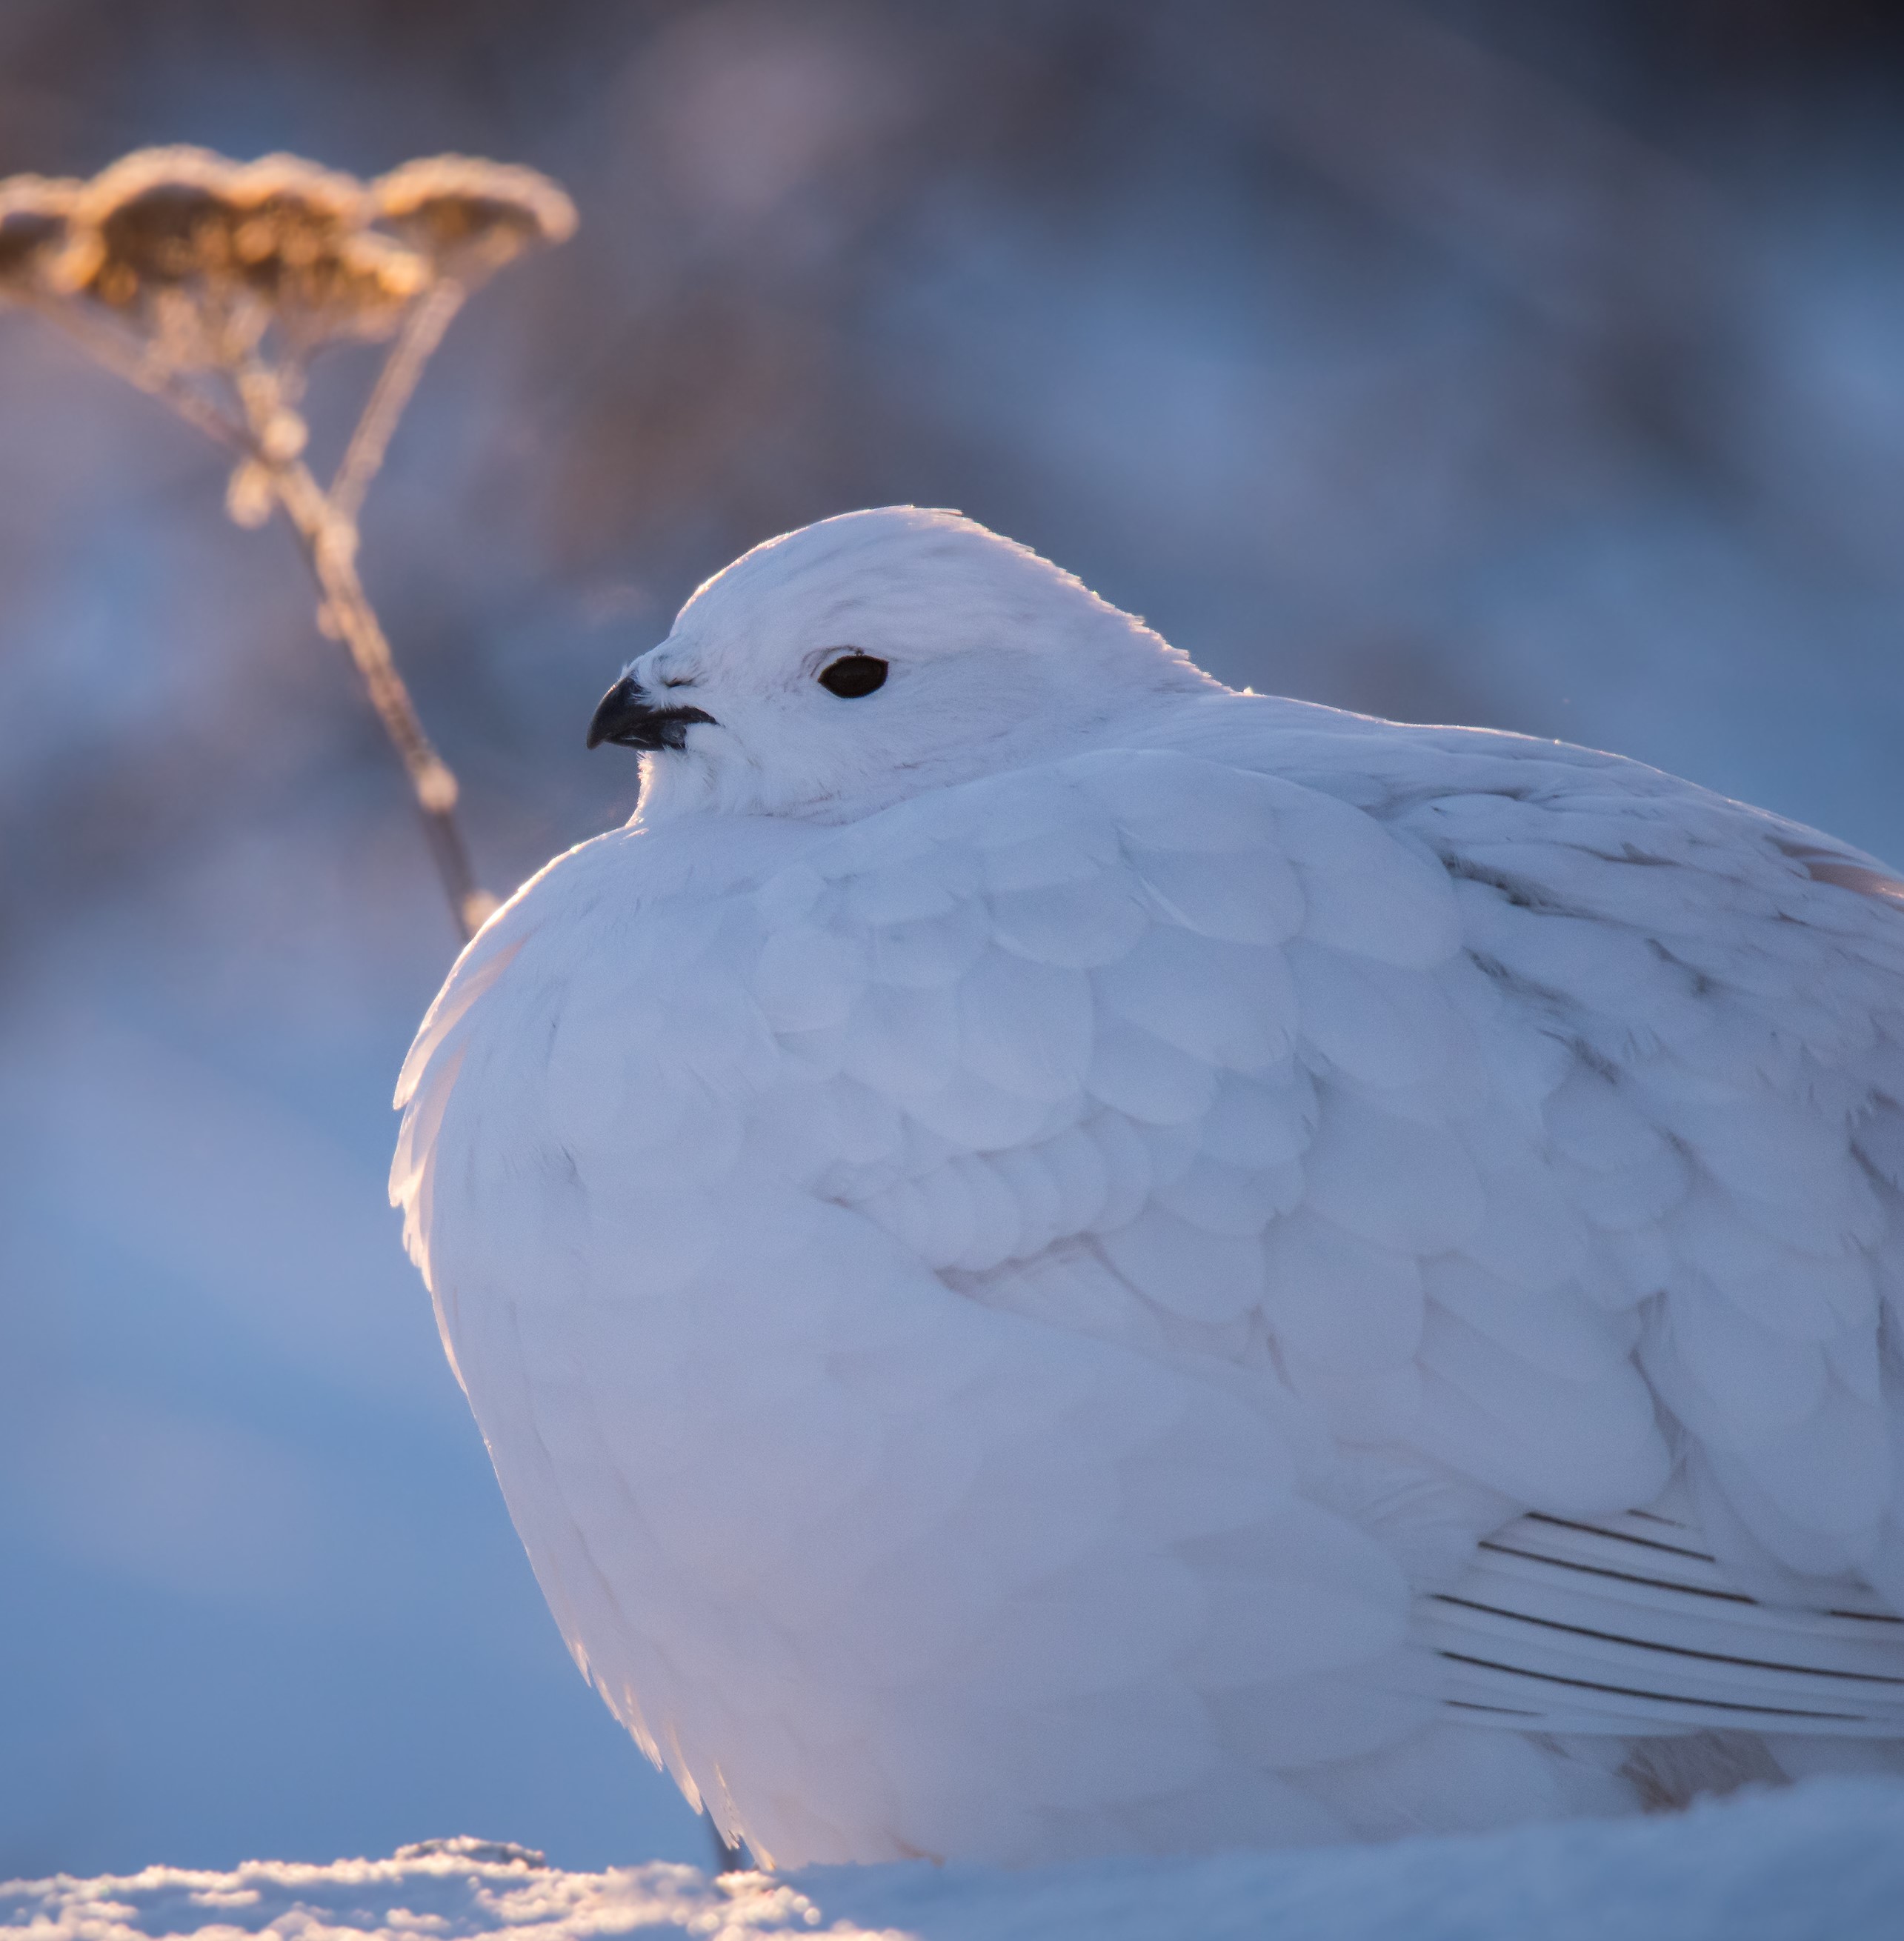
{"points": [[853, 675]]}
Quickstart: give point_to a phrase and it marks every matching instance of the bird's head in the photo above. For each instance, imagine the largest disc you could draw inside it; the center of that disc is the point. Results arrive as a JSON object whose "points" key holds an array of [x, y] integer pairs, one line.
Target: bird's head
{"points": [[870, 657]]}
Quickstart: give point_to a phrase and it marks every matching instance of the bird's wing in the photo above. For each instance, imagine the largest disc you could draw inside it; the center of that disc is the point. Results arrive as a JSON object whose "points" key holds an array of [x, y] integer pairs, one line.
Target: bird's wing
{"points": [[1729, 989], [1630, 1623]]}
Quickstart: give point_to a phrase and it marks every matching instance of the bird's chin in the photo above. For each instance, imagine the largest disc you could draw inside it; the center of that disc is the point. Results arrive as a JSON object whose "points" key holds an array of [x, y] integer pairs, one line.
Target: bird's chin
{"points": [[674, 782]]}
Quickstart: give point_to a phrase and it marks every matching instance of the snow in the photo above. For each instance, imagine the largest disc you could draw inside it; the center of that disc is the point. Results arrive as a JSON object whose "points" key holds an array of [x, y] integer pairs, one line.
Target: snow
{"points": [[1825, 1859]]}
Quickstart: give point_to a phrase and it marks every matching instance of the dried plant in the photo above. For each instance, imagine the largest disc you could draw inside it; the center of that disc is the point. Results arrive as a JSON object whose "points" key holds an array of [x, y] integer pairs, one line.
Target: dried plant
{"points": [[210, 284]]}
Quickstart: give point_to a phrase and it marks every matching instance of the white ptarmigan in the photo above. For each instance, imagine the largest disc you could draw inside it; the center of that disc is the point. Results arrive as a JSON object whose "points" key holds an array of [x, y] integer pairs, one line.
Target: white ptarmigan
{"points": [[1057, 1260]]}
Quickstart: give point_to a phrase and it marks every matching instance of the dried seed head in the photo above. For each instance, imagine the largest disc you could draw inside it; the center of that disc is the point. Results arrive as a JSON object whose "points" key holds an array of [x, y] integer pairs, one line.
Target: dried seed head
{"points": [[361, 289], [206, 253], [170, 214], [303, 240], [33, 213], [151, 220], [472, 216], [202, 255]]}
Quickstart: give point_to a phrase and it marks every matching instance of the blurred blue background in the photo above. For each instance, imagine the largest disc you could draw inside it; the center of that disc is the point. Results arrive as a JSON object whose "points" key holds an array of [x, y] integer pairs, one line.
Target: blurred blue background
{"points": [[1541, 367]]}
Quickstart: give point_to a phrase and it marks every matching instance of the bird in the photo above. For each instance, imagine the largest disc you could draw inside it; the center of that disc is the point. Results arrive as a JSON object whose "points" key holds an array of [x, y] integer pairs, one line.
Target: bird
{"points": [[1057, 1260]]}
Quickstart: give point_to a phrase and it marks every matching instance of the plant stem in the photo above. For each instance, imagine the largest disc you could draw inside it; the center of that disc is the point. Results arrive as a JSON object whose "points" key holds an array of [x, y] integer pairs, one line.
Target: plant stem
{"points": [[422, 331], [123, 357], [329, 544], [326, 530]]}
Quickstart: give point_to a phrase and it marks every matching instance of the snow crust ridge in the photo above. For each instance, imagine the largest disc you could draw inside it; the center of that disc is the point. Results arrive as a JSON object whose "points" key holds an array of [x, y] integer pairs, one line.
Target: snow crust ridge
{"points": [[1823, 1859]]}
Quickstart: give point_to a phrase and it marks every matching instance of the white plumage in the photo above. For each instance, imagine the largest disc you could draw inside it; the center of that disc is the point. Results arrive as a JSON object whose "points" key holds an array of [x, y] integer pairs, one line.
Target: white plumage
{"points": [[1054, 1259]]}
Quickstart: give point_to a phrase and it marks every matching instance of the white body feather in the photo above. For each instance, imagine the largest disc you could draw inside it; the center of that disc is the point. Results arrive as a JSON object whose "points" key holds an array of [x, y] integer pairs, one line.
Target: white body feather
{"points": [[1254, 1276]]}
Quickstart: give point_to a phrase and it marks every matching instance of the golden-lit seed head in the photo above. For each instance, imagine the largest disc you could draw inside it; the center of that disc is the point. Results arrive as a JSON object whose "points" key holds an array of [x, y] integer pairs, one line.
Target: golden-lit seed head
{"points": [[281, 232], [361, 289], [203, 254], [472, 216], [33, 215], [147, 220]]}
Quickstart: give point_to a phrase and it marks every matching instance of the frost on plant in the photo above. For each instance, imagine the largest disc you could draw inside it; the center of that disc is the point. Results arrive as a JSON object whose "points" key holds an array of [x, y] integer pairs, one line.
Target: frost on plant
{"points": [[211, 284]]}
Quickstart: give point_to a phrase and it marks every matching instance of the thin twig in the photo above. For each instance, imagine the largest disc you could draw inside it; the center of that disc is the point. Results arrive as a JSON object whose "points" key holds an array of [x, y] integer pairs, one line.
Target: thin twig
{"points": [[329, 542], [422, 332], [142, 369], [329, 545]]}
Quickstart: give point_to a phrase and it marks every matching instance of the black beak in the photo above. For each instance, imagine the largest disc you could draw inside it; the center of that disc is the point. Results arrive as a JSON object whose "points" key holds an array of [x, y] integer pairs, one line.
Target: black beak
{"points": [[630, 720]]}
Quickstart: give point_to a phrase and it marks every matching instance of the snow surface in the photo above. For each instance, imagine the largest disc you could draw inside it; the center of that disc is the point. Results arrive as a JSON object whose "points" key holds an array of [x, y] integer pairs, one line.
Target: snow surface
{"points": [[1825, 1859]]}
